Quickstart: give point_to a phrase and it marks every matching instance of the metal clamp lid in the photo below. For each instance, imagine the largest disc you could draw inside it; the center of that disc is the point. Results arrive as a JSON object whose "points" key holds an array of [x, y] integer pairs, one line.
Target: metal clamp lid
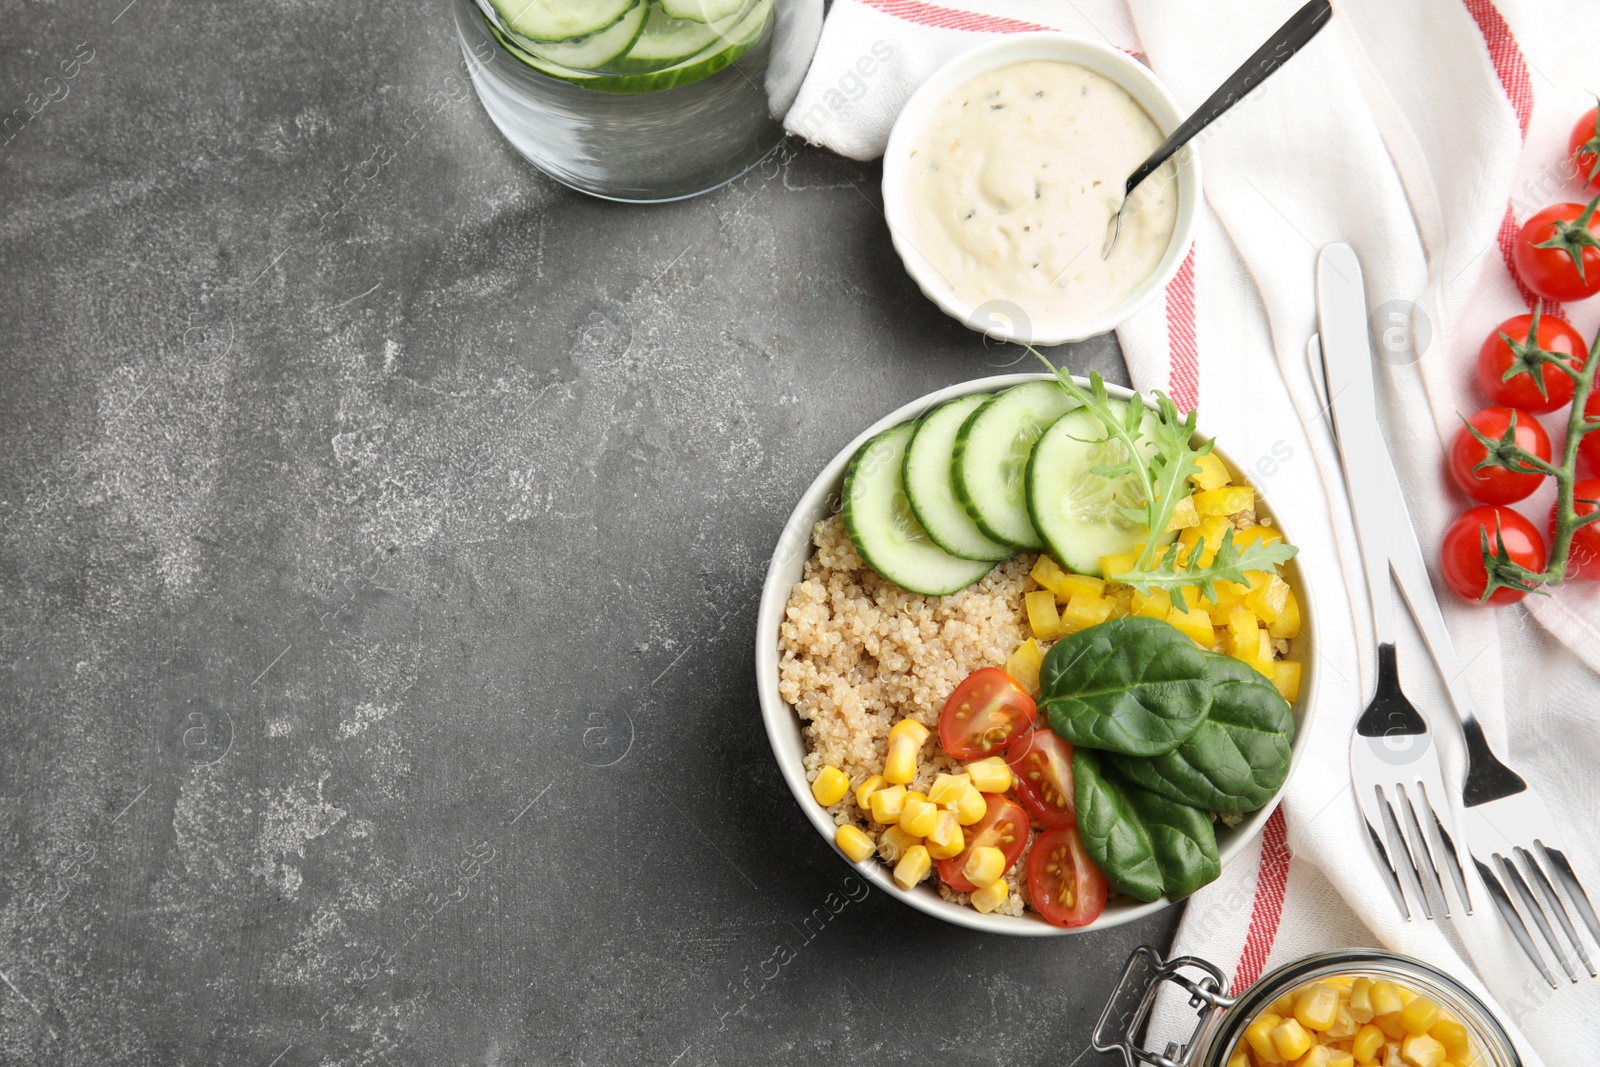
{"points": [[1118, 1027]]}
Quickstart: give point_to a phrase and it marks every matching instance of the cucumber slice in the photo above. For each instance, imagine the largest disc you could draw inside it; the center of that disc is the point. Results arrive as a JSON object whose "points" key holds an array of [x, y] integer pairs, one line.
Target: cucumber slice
{"points": [[702, 10], [990, 462], [1075, 510], [559, 20], [667, 41], [927, 481], [597, 49], [886, 533]]}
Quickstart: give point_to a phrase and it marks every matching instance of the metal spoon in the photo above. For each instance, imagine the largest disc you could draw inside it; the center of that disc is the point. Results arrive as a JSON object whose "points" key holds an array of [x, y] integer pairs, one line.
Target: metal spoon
{"points": [[1290, 38]]}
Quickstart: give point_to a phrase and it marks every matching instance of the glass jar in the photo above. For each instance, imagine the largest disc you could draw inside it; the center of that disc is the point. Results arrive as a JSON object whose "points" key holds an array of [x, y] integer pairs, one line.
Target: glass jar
{"points": [[653, 107], [1221, 1020]]}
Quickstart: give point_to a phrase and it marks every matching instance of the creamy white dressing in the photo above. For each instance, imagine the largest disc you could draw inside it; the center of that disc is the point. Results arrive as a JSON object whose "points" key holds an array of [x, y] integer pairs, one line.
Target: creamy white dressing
{"points": [[1011, 183]]}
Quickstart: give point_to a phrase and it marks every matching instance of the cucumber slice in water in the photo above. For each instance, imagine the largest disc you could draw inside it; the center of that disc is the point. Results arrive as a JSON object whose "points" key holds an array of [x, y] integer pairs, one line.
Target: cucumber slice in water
{"points": [[927, 481], [702, 10], [559, 20], [886, 533], [667, 41], [990, 462], [1075, 510], [597, 49]]}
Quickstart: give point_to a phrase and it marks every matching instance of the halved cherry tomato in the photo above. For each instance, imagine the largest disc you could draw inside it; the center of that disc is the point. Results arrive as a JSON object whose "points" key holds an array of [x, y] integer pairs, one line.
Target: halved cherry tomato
{"points": [[1063, 885], [1583, 148], [1583, 558], [1461, 557], [985, 712], [1004, 826], [1496, 485], [1521, 390], [1589, 447], [1557, 252], [1042, 763]]}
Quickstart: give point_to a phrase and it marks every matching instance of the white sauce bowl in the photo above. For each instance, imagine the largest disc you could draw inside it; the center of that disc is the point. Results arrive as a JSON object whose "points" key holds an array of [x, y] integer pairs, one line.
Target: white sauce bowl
{"points": [[783, 725], [1002, 319]]}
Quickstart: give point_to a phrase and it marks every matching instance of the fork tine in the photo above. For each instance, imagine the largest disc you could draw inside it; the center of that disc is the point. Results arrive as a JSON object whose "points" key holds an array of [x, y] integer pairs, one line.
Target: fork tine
{"points": [[1401, 847], [1532, 906], [1447, 847], [1423, 849], [1508, 912], [1386, 867], [1537, 876], [1569, 881]]}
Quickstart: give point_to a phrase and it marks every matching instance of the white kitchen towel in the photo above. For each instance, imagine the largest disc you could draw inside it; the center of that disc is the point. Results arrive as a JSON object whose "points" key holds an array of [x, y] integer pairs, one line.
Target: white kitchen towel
{"points": [[1419, 133]]}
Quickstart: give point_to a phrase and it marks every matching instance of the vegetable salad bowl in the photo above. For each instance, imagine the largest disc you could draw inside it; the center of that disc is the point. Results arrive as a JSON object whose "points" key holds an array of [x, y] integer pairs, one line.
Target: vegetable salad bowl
{"points": [[784, 726]]}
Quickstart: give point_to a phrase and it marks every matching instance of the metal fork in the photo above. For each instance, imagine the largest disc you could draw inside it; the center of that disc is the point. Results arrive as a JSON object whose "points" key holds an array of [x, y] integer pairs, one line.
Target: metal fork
{"points": [[1508, 829], [1393, 763]]}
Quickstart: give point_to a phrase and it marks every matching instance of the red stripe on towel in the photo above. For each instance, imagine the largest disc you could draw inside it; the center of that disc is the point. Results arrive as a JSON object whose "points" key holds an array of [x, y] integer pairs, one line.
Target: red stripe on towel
{"points": [[946, 18], [1183, 352], [1271, 880]]}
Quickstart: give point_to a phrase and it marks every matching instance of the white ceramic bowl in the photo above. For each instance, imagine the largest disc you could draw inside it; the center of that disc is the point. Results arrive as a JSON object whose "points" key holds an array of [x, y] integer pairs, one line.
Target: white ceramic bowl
{"points": [[1001, 319], [783, 724]]}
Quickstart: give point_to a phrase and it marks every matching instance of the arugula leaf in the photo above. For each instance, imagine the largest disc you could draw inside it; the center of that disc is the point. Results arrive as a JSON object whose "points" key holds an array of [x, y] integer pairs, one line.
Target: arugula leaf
{"points": [[1134, 685], [1115, 839], [1230, 564], [1237, 759]]}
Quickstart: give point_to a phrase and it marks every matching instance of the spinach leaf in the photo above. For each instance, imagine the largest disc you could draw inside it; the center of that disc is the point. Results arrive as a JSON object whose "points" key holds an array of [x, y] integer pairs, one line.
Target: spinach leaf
{"points": [[1113, 835], [1136, 686], [1237, 759], [1181, 838]]}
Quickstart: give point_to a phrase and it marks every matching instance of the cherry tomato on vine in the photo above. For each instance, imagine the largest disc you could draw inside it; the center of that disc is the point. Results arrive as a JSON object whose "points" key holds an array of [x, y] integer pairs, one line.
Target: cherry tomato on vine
{"points": [[1589, 447], [1063, 885], [985, 712], [1583, 558], [1496, 485], [1461, 555], [1583, 148], [1557, 252], [1512, 346]]}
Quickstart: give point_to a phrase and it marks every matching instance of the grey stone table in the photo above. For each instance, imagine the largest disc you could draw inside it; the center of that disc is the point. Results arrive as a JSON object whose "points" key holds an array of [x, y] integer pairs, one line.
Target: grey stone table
{"points": [[380, 532]]}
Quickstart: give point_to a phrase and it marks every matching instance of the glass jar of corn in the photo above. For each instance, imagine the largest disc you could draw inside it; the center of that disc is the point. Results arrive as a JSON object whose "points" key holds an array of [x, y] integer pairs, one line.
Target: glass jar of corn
{"points": [[1355, 1008]]}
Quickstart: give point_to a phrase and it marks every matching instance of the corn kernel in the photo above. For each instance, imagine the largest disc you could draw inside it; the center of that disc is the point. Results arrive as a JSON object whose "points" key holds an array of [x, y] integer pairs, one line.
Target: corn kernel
{"points": [[1391, 1054], [830, 787], [1419, 1015], [1023, 665], [1083, 611], [1043, 618], [1225, 501], [946, 839], [913, 867], [1369, 1039], [985, 866], [887, 804], [1048, 573], [1212, 474], [1454, 1037], [1195, 623], [1344, 1024], [1420, 1050], [946, 788], [1315, 1056], [990, 897], [991, 775], [971, 807], [919, 816], [1386, 998], [1361, 1000], [900, 766], [1286, 676], [865, 790], [1340, 1058], [1241, 1056], [1259, 1035], [1290, 1039], [1184, 515], [1317, 1007], [1154, 605], [894, 843], [853, 842], [1284, 1005], [910, 728], [1390, 1024]]}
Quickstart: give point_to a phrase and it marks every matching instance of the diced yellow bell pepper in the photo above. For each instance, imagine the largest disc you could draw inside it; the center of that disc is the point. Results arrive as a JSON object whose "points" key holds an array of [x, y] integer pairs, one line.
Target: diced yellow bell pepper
{"points": [[1043, 618], [830, 786], [1251, 534], [1286, 676], [1083, 611], [1264, 664], [1225, 501], [1121, 602], [1153, 605], [853, 842], [1195, 623], [1048, 573], [1073, 584], [1212, 474], [1120, 564], [1288, 622], [1243, 629], [1184, 515], [1023, 665]]}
